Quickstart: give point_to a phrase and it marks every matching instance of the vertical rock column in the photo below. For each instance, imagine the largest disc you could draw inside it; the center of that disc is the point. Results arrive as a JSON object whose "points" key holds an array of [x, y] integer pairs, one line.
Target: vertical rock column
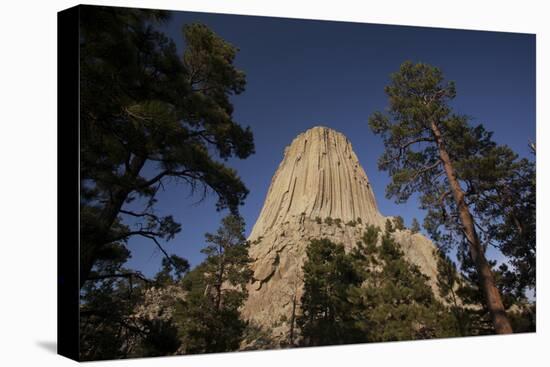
{"points": [[320, 176]]}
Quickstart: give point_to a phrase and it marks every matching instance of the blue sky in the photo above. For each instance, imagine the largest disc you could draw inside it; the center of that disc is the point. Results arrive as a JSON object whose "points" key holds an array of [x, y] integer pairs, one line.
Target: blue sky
{"points": [[302, 73]]}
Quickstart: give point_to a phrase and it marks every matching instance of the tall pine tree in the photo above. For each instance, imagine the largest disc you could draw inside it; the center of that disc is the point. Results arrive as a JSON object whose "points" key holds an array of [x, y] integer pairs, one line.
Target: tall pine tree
{"points": [[394, 300], [423, 139], [209, 317], [326, 317], [148, 117]]}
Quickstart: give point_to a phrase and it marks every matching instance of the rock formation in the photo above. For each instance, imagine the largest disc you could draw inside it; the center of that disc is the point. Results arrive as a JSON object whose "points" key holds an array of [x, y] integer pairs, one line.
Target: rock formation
{"points": [[319, 190]]}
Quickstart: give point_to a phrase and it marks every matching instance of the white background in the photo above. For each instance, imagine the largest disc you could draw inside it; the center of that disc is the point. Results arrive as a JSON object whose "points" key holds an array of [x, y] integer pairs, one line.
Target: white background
{"points": [[28, 169]]}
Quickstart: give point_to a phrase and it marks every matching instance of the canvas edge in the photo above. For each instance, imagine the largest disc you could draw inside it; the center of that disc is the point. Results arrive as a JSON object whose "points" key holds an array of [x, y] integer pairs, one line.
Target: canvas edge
{"points": [[68, 156]]}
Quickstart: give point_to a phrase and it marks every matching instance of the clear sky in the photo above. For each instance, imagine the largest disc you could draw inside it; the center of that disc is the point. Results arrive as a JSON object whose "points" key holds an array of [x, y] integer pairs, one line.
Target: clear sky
{"points": [[303, 73]]}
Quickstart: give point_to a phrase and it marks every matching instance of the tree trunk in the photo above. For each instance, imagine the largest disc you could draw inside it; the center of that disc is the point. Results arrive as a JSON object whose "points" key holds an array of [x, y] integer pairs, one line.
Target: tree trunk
{"points": [[219, 283], [487, 281], [91, 243]]}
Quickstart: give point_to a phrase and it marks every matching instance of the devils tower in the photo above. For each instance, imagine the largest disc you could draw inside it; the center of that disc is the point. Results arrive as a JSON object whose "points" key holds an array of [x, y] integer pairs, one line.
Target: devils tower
{"points": [[319, 190]]}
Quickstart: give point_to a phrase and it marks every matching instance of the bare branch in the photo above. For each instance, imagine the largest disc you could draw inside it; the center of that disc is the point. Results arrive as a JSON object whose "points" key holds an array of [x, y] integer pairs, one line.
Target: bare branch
{"points": [[184, 174], [136, 274], [125, 235], [161, 249], [147, 234], [133, 214], [443, 196]]}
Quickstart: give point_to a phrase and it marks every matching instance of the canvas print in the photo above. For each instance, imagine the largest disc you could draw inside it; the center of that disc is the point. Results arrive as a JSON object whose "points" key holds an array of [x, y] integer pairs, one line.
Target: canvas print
{"points": [[252, 183]]}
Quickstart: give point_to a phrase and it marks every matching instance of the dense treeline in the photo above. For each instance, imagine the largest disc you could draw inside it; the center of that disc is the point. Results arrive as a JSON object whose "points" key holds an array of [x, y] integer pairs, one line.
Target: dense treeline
{"points": [[367, 295], [373, 294], [150, 117], [178, 311]]}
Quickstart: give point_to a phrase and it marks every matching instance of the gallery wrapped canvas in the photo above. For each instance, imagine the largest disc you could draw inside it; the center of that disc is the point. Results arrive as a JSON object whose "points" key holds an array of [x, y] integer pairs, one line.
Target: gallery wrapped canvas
{"points": [[253, 183]]}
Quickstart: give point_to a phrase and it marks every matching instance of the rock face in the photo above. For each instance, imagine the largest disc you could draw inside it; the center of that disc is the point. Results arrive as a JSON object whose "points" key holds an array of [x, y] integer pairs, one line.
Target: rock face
{"points": [[320, 176], [319, 190]]}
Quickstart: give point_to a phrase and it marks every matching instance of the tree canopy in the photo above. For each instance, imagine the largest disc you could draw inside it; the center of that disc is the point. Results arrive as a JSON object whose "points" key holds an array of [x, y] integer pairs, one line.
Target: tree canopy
{"points": [[369, 294], [148, 117], [209, 317], [458, 171]]}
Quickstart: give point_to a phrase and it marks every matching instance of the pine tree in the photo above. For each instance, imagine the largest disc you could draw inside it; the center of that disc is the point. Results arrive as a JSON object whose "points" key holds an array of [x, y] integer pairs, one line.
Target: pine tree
{"points": [[502, 196], [457, 292], [326, 311], [423, 140], [149, 116], [209, 318], [399, 223], [415, 226], [227, 261], [394, 301], [111, 327], [512, 199], [172, 271]]}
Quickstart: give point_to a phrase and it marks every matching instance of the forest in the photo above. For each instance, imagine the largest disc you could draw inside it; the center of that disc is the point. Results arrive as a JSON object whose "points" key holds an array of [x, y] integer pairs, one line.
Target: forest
{"points": [[150, 116]]}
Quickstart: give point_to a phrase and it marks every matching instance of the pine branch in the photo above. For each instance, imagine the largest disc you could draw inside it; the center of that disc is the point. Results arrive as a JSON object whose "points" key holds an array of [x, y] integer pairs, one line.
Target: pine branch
{"points": [[425, 169], [136, 274]]}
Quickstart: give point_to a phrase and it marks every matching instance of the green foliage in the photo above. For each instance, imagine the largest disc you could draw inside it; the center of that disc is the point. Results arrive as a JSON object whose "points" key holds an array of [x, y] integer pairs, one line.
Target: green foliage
{"points": [[173, 269], [395, 301], [420, 129], [359, 220], [524, 319], [328, 274], [209, 318], [369, 242], [417, 97], [148, 117], [399, 223], [512, 199], [351, 223], [110, 328], [318, 220], [419, 102], [161, 338], [520, 310], [370, 294], [453, 288], [328, 221], [104, 320], [476, 318], [463, 296], [415, 226], [338, 222], [143, 108], [255, 337], [503, 200]]}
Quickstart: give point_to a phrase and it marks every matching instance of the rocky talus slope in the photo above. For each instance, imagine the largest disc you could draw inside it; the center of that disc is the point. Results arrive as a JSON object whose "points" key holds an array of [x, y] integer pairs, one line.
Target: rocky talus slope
{"points": [[319, 190]]}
